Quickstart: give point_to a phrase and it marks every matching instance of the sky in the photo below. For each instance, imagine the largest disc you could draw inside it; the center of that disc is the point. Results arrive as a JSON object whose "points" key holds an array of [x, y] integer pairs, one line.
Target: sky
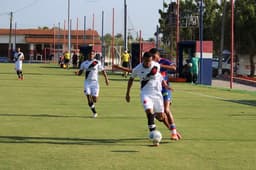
{"points": [[142, 14]]}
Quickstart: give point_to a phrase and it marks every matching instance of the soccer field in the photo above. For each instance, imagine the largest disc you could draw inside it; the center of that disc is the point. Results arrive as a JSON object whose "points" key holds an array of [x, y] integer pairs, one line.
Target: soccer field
{"points": [[45, 123]]}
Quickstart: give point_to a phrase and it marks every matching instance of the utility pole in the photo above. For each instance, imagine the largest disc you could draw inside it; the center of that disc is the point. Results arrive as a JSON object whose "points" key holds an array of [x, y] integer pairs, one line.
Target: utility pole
{"points": [[10, 37], [102, 36], [125, 25], [15, 35], [69, 31], [84, 30]]}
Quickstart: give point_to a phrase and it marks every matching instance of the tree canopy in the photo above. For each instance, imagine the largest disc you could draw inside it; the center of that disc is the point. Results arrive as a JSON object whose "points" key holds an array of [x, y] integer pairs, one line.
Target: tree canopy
{"points": [[245, 24]]}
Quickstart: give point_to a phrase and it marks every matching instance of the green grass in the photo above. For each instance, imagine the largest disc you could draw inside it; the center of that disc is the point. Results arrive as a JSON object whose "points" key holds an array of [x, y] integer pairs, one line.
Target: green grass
{"points": [[45, 123]]}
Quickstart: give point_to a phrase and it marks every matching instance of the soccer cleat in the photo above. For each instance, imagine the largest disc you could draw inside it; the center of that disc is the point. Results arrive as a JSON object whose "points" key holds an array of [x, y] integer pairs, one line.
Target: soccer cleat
{"points": [[179, 135], [155, 143], [174, 136], [94, 115]]}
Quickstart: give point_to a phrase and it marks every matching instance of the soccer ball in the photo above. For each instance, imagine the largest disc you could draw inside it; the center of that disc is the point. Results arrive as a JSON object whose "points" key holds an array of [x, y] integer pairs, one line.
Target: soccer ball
{"points": [[155, 136]]}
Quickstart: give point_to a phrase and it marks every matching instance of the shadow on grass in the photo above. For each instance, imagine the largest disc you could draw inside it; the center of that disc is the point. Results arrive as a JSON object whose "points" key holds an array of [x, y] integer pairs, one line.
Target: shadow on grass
{"points": [[69, 116], [124, 151], [219, 139], [52, 67], [58, 67], [44, 115], [70, 141], [245, 102], [49, 74], [8, 73]]}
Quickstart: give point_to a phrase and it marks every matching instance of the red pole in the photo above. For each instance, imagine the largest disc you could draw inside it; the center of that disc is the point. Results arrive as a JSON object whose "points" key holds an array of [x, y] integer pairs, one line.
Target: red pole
{"points": [[113, 37], [140, 47], [54, 40], [64, 36], [177, 31], [232, 44]]}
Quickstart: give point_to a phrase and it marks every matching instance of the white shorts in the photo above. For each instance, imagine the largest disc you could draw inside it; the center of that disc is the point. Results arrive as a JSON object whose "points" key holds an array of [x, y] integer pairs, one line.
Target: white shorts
{"points": [[91, 88], [18, 65], [153, 101]]}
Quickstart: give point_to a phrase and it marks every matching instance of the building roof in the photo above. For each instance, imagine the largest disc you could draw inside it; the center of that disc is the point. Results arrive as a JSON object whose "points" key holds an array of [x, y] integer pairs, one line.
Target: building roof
{"points": [[47, 35]]}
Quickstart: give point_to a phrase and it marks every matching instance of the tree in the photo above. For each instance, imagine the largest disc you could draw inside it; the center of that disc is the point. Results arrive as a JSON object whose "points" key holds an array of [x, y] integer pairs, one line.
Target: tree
{"points": [[222, 35], [108, 39], [245, 35], [189, 8]]}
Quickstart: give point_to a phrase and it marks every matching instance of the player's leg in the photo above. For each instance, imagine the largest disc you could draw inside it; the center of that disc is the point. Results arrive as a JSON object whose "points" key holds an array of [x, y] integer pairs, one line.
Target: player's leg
{"points": [[17, 68], [94, 97], [91, 105], [151, 119], [18, 74], [87, 92], [20, 68], [167, 98], [21, 75], [148, 107]]}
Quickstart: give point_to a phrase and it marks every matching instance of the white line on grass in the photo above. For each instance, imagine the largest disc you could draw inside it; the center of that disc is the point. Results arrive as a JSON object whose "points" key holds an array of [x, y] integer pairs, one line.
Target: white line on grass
{"points": [[205, 95]]}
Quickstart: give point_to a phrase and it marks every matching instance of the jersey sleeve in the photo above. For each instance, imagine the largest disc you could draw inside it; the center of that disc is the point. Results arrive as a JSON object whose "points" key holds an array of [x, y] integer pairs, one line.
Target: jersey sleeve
{"points": [[134, 72], [100, 66], [82, 67]]}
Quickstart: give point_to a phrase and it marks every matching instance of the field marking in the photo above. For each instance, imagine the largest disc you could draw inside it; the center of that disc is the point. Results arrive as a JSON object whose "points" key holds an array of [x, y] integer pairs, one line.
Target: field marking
{"points": [[205, 95]]}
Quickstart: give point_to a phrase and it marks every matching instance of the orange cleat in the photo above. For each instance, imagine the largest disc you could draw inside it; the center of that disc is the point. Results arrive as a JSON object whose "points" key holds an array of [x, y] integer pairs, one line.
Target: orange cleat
{"points": [[174, 137]]}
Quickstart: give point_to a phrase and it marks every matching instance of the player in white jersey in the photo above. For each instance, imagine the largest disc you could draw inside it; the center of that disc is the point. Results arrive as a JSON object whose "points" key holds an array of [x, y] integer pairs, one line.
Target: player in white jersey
{"points": [[91, 67], [151, 85], [18, 59]]}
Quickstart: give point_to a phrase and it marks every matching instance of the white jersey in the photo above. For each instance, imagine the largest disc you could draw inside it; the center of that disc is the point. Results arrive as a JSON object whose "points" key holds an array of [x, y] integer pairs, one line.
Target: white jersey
{"points": [[18, 57], [91, 68], [150, 78]]}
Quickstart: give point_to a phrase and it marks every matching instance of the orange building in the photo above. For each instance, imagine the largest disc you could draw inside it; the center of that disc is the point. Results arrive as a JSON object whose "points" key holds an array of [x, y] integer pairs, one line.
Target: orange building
{"points": [[46, 44]]}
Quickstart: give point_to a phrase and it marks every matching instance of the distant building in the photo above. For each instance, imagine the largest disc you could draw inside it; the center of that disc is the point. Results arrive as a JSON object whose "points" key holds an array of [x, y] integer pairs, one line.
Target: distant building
{"points": [[47, 44]]}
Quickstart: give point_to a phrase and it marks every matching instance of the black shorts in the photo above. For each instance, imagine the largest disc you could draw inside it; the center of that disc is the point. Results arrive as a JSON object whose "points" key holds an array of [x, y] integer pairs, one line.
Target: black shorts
{"points": [[66, 61], [125, 64]]}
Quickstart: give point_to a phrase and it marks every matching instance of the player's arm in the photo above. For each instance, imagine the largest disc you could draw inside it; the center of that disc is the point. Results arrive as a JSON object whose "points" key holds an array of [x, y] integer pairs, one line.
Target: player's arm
{"points": [[169, 67], [129, 85], [80, 72], [165, 85], [122, 68], [105, 76]]}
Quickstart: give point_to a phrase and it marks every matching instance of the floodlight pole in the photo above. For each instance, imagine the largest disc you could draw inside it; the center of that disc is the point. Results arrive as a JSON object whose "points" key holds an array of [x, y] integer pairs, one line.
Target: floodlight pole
{"points": [[69, 32], [10, 37], [102, 36], [125, 25]]}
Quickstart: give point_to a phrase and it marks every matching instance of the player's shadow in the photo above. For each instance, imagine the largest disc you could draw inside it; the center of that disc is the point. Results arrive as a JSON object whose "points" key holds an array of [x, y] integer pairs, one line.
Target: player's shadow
{"points": [[48, 74], [51, 67], [70, 116], [70, 141], [44, 115]]}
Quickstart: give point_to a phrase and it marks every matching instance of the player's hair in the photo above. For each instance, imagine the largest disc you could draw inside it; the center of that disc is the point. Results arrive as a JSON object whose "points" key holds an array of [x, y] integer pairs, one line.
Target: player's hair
{"points": [[153, 51], [147, 55]]}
